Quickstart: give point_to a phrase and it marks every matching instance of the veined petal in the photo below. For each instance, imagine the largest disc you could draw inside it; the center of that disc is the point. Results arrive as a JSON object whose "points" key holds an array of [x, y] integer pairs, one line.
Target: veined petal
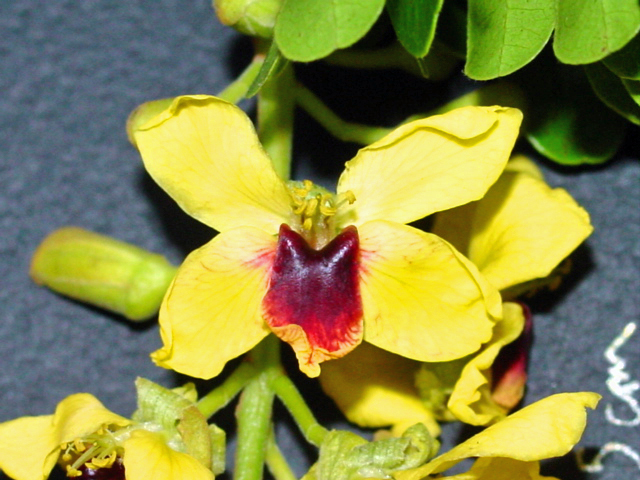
{"points": [[211, 312], [501, 469], [429, 165], [375, 389], [471, 400], [204, 152], [81, 414], [548, 428], [421, 298], [521, 230], [147, 456], [26, 445]]}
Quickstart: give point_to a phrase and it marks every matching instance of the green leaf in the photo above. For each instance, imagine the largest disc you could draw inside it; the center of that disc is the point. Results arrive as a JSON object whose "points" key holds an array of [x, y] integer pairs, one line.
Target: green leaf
{"points": [[308, 30], [626, 62], [565, 121], [633, 88], [415, 23], [506, 35], [612, 92], [588, 31], [272, 65]]}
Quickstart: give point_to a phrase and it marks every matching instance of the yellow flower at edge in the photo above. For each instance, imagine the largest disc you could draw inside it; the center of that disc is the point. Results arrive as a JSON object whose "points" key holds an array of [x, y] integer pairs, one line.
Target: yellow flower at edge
{"points": [[323, 271], [82, 434], [512, 448], [518, 232], [509, 450]]}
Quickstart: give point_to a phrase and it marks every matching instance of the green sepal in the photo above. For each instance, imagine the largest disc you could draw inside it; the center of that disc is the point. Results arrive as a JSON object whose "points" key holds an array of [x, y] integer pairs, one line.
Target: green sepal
{"points": [[414, 22], [347, 456], [613, 92], [102, 271], [310, 30], [589, 31], [625, 63]]}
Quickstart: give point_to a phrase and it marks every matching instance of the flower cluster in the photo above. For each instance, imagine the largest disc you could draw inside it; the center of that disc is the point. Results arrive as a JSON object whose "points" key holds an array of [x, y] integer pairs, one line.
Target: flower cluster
{"points": [[324, 271], [411, 327]]}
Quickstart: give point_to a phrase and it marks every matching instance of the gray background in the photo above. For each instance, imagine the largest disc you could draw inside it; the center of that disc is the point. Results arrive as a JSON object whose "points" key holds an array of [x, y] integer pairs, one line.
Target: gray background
{"points": [[70, 72]]}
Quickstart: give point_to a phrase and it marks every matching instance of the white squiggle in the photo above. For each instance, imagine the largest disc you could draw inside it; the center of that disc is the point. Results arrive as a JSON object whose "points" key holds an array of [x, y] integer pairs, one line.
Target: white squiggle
{"points": [[617, 379], [595, 465]]}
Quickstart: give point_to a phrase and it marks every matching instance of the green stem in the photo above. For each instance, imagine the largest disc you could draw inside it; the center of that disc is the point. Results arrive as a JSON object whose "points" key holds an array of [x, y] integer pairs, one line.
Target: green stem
{"points": [[223, 394], [277, 464], [393, 56], [254, 411], [236, 90], [254, 421], [275, 120], [345, 131], [291, 398]]}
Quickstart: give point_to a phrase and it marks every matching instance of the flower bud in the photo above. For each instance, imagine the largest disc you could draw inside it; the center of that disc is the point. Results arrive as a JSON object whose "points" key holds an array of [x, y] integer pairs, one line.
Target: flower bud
{"points": [[252, 17], [102, 271], [347, 456]]}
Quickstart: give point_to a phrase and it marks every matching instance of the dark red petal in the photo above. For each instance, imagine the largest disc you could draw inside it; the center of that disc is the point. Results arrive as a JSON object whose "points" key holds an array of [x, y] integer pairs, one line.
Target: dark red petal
{"points": [[317, 291], [115, 472], [509, 370]]}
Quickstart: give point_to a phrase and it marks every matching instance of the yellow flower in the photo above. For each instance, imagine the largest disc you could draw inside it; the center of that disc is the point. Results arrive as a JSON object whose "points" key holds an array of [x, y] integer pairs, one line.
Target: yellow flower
{"points": [[518, 232], [83, 435], [508, 450], [323, 271], [511, 448]]}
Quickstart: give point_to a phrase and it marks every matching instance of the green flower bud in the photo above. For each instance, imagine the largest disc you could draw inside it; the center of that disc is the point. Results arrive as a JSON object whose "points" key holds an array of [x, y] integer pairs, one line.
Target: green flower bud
{"points": [[252, 17], [176, 412], [347, 456], [435, 383], [102, 271]]}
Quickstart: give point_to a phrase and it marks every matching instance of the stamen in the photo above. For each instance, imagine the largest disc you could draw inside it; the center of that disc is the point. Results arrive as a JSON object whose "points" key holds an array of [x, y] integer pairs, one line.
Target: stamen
{"points": [[95, 451], [312, 210]]}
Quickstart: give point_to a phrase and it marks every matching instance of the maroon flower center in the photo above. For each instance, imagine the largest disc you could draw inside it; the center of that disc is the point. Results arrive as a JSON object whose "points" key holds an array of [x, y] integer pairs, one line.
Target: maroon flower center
{"points": [[114, 472], [313, 300]]}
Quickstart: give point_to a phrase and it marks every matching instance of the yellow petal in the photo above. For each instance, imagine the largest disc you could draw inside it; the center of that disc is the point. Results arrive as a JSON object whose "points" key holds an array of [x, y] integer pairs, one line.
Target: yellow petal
{"points": [[375, 389], [204, 152], [421, 298], [211, 312], [147, 456], [26, 447], [81, 414], [548, 428], [523, 164], [429, 165], [501, 469], [471, 400], [521, 230]]}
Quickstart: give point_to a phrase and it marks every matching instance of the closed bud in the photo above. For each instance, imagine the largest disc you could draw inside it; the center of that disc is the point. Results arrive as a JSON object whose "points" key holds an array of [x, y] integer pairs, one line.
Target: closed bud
{"points": [[103, 272], [252, 17]]}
